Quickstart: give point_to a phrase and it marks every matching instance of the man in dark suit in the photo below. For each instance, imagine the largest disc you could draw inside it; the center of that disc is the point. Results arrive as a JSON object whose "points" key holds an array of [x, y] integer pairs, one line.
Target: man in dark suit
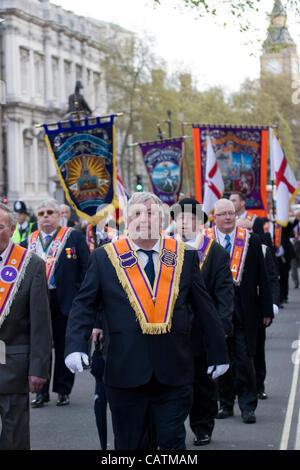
{"points": [[25, 334], [214, 265], [66, 255], [252, 306], [145, 285]]}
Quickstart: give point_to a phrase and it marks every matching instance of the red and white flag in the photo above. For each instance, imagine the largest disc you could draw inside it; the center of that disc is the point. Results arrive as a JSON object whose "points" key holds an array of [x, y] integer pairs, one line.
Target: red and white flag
{"points": [[122, 196], [213, 185], [286, 183]]}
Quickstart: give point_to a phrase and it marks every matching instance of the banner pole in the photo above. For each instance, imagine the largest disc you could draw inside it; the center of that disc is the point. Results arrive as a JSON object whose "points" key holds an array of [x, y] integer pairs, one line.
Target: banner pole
{"points": [[90, 118]]}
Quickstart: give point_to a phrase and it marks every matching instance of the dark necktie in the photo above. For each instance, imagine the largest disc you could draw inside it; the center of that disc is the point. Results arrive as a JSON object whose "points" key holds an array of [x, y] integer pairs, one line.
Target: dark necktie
{"points": [[149, 268], [228, 243]]}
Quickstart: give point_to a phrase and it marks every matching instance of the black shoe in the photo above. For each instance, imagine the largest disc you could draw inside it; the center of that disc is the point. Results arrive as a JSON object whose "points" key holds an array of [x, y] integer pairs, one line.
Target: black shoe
{"points": [[40, 399], [248, 416], [224, 413], [262, 395], [202, 439], [63, 399]]}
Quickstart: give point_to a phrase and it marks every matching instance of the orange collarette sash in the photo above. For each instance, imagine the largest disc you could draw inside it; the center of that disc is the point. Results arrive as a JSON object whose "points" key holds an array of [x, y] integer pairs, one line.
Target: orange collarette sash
{"points": [[238, 252], [54, 250], [11, 274], [250, 216], [153, 306], [267, 228]]}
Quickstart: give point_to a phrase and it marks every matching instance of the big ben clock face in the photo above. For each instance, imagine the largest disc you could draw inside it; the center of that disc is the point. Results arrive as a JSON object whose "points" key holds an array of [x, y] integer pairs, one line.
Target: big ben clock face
{"points": [[273, 66]]}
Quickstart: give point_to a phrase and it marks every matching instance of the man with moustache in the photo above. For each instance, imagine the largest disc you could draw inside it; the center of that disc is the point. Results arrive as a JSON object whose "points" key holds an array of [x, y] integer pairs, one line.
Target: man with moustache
{"points": [[145, 283], [252, 306]]}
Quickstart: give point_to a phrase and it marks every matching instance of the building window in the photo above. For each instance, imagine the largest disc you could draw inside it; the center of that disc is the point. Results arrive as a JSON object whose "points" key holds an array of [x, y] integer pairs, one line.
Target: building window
{"points": [[55, 76], [68, 78], [39, 74], [28, 165]]}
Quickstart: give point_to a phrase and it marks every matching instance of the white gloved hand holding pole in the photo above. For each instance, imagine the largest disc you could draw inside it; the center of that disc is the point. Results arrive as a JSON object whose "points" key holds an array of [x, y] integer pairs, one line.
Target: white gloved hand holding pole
{"points": [[219, 370], [74, 361]]}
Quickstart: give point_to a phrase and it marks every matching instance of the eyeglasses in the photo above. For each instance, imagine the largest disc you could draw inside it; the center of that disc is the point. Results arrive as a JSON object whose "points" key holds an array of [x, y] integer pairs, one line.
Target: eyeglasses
{"points": [[222, 214], [48, 212]]}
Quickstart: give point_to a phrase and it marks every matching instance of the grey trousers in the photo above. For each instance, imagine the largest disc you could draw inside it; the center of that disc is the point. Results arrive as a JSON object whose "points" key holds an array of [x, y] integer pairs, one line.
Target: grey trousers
{"points": [[14, 416]]}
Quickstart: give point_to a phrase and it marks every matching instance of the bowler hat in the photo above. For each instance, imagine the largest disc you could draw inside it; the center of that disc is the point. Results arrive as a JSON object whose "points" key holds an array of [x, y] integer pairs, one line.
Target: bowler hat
{"points": [[189, 204], [20, 207]]}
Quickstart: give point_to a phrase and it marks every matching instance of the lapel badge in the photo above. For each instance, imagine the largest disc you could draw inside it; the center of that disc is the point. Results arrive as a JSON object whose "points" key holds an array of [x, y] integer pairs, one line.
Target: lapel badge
{"points": [[68, 253], [74, 253]]}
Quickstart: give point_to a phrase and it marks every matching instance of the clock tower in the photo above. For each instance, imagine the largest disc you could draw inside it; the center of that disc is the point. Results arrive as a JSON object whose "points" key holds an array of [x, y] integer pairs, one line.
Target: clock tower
{"points": [[279, 55]]}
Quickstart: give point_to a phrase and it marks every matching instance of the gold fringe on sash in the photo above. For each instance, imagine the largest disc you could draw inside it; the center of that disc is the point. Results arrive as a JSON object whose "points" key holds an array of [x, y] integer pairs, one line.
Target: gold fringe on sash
{"points": [[149, 328]]}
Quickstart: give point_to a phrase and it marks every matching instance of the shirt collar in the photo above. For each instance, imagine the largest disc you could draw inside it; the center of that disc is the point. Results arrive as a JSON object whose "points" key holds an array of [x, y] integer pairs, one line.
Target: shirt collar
{"points": [[46, 234], [24, 225], [221, 236], [242, 216]]}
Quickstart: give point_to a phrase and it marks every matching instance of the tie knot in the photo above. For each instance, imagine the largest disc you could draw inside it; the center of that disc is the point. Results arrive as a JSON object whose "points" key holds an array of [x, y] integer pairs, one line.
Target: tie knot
{"points": [[147, 252], [227, 237]]}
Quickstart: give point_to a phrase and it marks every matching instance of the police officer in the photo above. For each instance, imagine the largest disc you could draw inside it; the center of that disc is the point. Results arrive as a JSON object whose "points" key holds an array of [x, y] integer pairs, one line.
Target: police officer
{"points": [[24, 227]]}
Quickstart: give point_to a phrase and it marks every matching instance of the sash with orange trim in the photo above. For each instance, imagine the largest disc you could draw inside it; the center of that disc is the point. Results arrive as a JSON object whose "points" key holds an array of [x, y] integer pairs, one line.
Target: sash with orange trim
{"points": [[54, 248], [238, 252], [202, 246], [153, 306], [11, 274], [250, 216], [90, 237]]}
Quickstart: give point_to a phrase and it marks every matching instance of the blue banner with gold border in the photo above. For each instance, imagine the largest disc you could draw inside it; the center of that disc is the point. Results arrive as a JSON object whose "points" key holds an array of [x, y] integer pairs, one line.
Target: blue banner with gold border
{"points": [[84, 157]]}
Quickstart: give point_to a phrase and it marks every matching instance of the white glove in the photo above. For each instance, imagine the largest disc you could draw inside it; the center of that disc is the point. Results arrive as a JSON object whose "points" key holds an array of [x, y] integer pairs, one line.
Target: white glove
{"points": [[74, 361], [219, 370], [275, 309]]}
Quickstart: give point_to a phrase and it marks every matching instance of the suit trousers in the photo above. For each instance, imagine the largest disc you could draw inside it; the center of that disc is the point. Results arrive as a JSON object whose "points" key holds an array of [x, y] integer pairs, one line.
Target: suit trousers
{"points": [[240, 379], [63, 378], [14, 414], [168, 407], [205, 405]]}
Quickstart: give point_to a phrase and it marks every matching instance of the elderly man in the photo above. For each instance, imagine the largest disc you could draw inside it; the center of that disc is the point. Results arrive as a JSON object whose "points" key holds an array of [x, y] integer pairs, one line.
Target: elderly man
{"points": [[65, 216], [145, 284], [65, 254], [252, 306], [25, 334], [214, 265]]}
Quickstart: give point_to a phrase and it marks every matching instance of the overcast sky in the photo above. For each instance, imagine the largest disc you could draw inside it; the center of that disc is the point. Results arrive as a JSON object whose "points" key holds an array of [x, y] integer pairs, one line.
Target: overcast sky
{"points": [[216, 56]]}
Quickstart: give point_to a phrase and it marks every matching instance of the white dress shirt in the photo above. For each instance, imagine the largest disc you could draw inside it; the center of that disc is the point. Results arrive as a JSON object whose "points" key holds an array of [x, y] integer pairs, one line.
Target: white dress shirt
{"points": [[221, 237], [40, 250]]}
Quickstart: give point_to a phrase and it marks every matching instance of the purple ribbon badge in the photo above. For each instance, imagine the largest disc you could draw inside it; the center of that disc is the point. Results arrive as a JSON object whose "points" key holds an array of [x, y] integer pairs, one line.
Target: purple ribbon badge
{"points": [[127, 259], [8, 274]]}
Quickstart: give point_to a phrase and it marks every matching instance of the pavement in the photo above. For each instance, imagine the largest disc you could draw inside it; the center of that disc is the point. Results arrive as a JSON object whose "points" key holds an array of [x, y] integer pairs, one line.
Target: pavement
{"points": [[73, 427]]}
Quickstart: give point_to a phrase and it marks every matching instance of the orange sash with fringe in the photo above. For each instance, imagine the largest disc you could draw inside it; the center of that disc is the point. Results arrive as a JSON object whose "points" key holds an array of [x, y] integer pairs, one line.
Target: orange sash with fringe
{"points": [[153, 306]]}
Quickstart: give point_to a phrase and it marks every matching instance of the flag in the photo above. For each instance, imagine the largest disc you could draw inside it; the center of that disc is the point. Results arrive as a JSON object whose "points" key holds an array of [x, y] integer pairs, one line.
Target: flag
{"points": [[123, 197], [286, 184], [163, 162], [213, 185], [242, 155]]}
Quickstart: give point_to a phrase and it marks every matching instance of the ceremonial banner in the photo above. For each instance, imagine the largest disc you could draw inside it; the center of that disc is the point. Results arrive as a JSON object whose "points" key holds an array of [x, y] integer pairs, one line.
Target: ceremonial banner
{"points": [[163, 162], [84, 157], [286, 183], [241, 153]]}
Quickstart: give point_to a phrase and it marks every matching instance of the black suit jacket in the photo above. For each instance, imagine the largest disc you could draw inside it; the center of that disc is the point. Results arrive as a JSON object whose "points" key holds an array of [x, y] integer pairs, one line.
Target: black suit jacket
{"points": [[131, 356], [253, 298], [218, 281]]}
